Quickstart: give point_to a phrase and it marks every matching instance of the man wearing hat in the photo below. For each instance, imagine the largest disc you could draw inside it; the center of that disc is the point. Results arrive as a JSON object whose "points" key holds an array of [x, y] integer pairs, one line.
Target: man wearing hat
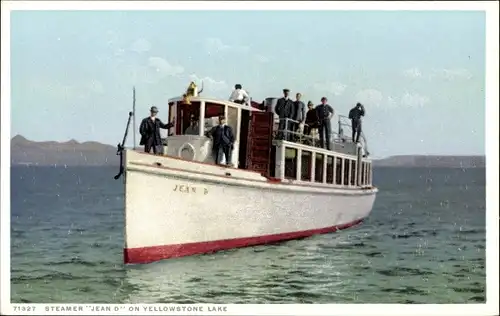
{"points": [[285, 110], [150, 132], [311, 119], [222, 141], [355, 115], [325, 114]]}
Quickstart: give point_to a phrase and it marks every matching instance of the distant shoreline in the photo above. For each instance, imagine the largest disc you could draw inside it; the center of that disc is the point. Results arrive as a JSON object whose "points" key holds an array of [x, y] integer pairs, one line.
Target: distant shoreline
{"points": [[75, 154]]}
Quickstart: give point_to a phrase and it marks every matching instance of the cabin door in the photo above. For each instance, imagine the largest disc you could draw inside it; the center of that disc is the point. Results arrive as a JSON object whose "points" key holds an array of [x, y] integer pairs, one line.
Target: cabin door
{"points": [[260, 138]]}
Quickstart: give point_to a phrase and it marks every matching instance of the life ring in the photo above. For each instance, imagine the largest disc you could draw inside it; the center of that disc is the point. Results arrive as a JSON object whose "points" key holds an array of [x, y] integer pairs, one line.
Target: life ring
{"points": [[187, 152]]}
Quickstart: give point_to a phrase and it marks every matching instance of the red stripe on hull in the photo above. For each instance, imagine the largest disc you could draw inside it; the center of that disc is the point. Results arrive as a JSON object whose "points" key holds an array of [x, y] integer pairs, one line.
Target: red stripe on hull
{"points": [[155, 253]]}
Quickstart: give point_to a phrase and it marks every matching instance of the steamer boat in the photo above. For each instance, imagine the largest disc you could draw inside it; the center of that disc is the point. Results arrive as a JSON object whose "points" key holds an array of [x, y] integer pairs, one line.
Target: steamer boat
{"points": [[182, 203]]}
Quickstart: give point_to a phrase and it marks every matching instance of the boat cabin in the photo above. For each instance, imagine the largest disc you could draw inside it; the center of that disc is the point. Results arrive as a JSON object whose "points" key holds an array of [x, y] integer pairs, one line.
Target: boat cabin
{"points": [[257, 147]]}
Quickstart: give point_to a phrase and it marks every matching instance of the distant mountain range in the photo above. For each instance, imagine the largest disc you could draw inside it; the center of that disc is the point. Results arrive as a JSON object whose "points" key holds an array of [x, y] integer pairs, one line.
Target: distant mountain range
{"points": [[70, 153], [416, 161], [73, 153]]}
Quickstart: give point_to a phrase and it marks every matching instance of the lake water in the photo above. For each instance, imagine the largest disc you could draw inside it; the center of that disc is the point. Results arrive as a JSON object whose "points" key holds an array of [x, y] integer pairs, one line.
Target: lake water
{"points": [[423, 243]]}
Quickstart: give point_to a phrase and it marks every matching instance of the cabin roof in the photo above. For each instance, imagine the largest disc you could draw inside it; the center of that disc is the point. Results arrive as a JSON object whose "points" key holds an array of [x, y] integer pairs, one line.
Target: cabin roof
{"points": [[219, 101]]}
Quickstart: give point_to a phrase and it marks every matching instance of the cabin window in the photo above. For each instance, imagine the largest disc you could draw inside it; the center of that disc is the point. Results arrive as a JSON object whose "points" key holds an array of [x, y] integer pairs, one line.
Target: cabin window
{"points": [[338, 171], [184, 114], [306, 165], [363, 173], [353, 172], [232, 120], [318, 175], [329, 169], [212, 113], [171, 111], [367, 170], [369, 173], [346, 171], [291, 163]]}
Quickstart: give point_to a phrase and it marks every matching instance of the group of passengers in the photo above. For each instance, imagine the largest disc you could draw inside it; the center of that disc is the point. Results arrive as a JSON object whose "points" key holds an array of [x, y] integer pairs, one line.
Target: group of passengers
{"points": [[294, 119]]}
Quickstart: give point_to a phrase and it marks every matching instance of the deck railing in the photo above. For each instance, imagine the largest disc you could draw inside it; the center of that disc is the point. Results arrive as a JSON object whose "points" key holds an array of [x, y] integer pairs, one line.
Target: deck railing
{"points": [[298, 136]]}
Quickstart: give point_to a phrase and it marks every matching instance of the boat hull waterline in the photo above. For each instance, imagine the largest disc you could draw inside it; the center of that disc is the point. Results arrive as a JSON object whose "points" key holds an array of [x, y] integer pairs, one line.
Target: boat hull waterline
{"points": [[176, 208]]}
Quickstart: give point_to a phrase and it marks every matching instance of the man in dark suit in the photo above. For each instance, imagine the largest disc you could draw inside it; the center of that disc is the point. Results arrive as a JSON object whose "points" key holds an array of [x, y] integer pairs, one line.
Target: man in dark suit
{"points": [[150, 132], [285, 110], [222, 141], [325, 114], [311, 119], [355, 115]]}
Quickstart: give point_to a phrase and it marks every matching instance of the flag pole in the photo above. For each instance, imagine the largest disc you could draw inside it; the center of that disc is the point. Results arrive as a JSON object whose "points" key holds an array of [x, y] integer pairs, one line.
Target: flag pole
{"points": [[133, 111]]}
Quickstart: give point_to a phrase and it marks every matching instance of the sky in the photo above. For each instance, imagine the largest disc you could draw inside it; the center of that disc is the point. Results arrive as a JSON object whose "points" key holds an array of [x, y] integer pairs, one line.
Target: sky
{"points": [[420, 74]]}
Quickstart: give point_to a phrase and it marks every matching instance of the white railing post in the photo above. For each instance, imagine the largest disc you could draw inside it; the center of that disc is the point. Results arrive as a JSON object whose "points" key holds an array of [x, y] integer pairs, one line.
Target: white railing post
{"points": [[325, 167], [201, 122], [313, 167], [299, 164]]}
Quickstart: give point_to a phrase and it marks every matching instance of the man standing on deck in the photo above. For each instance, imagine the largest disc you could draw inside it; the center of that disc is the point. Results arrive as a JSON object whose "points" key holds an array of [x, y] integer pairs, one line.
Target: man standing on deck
{"points": [[284, 110], [299, 112], [222, 141], [150, 132], [325, 114], [355, 115]]}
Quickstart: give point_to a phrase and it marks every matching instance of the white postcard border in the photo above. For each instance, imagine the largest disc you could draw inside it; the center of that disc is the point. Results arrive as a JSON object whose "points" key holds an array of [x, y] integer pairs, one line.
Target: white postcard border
{"points": [[492, 206]]}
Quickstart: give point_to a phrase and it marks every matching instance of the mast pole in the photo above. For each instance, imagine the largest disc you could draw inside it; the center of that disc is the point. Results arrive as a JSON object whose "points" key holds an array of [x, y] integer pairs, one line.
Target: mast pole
{"points": [[133, 111]]}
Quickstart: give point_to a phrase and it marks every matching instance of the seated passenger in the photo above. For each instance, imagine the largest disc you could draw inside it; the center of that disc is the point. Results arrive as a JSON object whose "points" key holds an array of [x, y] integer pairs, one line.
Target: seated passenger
{"points": [[194, 127], [239, 95]]}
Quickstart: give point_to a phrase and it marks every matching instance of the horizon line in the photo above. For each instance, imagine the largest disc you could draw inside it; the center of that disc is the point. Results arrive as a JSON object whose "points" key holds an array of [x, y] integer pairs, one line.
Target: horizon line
{"points": [[373, 157]]}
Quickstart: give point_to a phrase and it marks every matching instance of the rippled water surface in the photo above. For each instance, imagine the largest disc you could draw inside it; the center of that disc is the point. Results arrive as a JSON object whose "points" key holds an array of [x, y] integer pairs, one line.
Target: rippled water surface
{"points": [[423, 243]]}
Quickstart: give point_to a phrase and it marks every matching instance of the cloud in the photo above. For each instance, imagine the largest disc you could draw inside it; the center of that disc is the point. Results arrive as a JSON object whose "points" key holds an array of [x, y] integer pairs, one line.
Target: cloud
{"points": [[96, 87], [119, 52], [375, 98], [412, 73], [215, 45], [413, 100], [209, 83], [336, 88], [262, 59], [370, 97], [449, 74], [163, 67], [60, 90], [153, 71], [140, 46]]}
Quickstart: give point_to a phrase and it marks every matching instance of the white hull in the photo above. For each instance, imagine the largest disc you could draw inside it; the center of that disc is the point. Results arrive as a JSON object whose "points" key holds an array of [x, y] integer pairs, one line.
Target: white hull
{"points": [[176, 208]]}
